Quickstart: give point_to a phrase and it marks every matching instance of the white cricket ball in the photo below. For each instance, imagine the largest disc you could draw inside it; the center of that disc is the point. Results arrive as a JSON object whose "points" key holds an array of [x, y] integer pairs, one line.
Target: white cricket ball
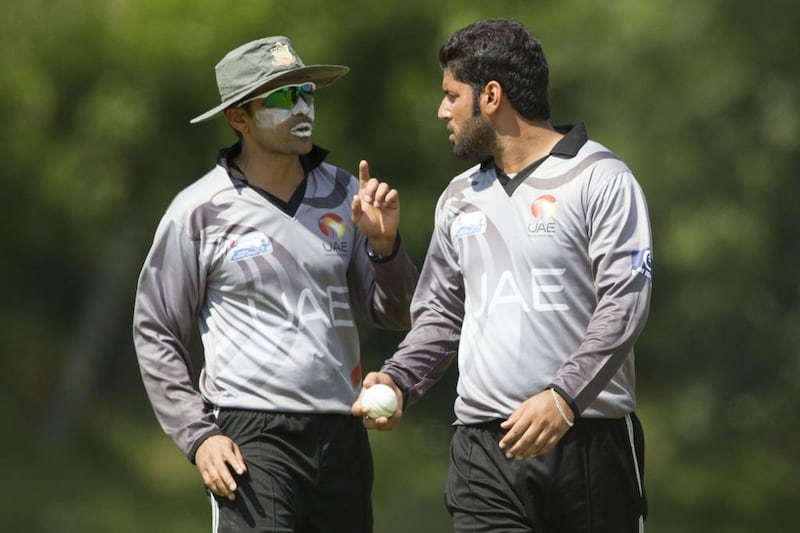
{"points": [[379, 400]]}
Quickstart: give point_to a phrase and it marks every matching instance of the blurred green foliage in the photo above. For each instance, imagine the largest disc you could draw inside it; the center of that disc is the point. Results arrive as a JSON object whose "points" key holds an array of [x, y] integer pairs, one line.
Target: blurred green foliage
{"points": [[700, 98]]}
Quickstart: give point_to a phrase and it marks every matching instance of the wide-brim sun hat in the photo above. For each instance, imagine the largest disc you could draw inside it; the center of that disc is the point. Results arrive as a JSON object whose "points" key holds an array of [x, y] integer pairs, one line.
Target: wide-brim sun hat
{"points": [[254, 64]]}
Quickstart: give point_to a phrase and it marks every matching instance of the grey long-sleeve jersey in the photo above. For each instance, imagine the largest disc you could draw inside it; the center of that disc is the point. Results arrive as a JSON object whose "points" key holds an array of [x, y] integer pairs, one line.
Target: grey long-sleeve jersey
{"points": [[546, 286], [276, 298]]}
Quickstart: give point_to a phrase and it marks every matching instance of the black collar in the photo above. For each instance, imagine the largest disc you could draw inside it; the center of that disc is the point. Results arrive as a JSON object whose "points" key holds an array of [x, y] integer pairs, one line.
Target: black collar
{"points": [[309, 161], [575, 136], [568, 146], [225, 158]]}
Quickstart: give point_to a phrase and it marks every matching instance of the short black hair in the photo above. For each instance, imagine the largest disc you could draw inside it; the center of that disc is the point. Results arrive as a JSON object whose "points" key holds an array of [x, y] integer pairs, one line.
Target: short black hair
{"points": [[505, 51]]}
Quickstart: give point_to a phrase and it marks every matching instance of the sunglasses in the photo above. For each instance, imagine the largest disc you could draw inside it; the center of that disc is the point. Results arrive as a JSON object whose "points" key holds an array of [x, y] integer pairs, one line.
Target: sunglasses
{"points": [[286, 97]]}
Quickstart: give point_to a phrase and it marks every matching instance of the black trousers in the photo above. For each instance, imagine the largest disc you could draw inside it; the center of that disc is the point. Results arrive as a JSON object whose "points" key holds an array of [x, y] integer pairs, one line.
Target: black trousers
{"points": [[305, 474], [592, 481]]}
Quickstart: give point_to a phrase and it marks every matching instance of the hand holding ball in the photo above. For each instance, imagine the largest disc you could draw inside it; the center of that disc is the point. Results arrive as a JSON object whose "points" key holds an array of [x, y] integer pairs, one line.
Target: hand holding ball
{"points": [[379, 400]]}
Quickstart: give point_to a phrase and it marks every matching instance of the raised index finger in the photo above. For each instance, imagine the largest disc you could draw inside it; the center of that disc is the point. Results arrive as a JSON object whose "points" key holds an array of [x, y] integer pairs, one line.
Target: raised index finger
{"points": [[363, 173]]}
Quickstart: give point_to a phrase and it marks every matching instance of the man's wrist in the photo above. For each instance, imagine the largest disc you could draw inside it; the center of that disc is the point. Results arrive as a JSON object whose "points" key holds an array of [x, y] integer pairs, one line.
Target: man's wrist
{"points": [[383, 249], [561, 410]]}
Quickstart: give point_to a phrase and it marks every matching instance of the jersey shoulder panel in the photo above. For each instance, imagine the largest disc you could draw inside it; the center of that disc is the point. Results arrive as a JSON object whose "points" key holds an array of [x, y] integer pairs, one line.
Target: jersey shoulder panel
{"points": [[460, 183], [206, 189], [330, 186], [600, 158]]}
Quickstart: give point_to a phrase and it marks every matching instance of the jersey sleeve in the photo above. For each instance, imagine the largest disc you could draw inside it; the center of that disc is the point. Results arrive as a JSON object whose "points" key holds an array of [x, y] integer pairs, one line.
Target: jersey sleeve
{"points": [[620, 250], [437, 312], [381, 289], [168, 299]]}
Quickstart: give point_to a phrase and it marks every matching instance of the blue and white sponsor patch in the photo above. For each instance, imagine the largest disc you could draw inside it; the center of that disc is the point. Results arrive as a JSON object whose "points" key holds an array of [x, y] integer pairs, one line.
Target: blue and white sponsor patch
{"points": [[468, 224], [642, 263], [249, 245]]}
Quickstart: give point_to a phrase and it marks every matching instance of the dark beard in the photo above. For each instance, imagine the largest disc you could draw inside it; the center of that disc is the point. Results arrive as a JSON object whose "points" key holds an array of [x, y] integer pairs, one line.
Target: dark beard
{"points": [[476, 141]]}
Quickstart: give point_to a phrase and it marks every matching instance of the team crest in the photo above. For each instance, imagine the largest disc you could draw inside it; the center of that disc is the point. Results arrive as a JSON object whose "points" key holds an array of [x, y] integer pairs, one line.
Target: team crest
{"points": [[544, 207], [334, 228], [543, 210], [282, 56], [332, 225]]}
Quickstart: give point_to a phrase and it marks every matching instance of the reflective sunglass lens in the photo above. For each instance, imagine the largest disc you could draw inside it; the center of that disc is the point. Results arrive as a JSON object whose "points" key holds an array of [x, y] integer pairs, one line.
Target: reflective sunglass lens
{"points": [[286, 97]]}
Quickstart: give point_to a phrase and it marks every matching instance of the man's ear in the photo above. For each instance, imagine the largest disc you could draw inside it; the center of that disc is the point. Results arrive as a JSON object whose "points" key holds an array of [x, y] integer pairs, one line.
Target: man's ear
{"points": [[491, 97], [237, 118]]}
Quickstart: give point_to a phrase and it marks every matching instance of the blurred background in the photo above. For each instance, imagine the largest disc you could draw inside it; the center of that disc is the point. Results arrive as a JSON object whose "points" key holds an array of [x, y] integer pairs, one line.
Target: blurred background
{"points": [[699, 98]]}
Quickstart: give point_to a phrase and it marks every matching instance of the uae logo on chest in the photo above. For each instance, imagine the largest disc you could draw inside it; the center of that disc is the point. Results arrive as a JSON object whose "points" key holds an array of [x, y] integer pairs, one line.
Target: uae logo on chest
{"points": [[334, 229], [543, 210]]}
